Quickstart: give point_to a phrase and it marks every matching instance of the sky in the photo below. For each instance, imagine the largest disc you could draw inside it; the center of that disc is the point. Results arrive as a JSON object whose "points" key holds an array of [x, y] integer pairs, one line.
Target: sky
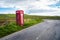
{"points": [[31, 7]]}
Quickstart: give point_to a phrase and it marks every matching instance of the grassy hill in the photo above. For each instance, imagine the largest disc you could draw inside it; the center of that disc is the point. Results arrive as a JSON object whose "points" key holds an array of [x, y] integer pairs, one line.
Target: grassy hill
{"points": [[8, 23]]}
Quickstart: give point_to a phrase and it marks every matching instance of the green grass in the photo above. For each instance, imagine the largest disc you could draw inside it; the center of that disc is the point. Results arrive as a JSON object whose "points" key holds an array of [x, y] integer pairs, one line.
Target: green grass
{"points": [[12, 27], [45, 17]]}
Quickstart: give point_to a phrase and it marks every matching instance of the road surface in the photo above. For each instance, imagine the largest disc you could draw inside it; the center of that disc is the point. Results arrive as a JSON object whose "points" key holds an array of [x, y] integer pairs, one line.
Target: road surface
{"points": [[47, 30]]}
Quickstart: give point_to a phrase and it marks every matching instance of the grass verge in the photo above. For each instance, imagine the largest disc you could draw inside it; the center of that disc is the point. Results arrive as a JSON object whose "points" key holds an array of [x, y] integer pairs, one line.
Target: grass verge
{"points": [[12, 27]]}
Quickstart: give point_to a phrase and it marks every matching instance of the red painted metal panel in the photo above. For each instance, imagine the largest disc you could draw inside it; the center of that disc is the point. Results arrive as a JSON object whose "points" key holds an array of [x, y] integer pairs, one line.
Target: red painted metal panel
{"points": [[20, 17]]}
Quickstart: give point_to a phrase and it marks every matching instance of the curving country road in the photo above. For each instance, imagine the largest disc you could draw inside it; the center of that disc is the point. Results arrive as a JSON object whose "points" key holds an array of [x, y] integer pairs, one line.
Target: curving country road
{"points": [[47, 30]]}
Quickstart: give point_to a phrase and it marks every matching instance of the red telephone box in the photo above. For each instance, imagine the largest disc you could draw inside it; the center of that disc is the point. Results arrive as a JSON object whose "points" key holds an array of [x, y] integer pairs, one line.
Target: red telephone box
{"points": [[20, 17]]}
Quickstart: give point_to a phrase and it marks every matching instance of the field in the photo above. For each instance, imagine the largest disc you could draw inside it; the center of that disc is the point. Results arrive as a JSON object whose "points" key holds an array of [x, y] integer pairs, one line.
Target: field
{"points": [[8, 23], [47, 17]]}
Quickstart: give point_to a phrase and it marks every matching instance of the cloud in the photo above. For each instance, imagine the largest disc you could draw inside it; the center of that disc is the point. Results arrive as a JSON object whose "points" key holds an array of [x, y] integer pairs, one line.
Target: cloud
{"points": [[42, 8], [29, 6], [19, 4], [56, 5], [41, 11]]}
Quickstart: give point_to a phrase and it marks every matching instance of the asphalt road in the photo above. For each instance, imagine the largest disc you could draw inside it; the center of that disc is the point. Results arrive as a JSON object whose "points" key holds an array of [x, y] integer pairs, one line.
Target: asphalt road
{"points": [[47, 30]]}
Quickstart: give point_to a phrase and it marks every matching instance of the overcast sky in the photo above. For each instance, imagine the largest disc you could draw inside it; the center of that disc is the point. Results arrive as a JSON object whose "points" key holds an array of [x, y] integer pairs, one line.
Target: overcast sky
{"points": [[37, 7]]}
